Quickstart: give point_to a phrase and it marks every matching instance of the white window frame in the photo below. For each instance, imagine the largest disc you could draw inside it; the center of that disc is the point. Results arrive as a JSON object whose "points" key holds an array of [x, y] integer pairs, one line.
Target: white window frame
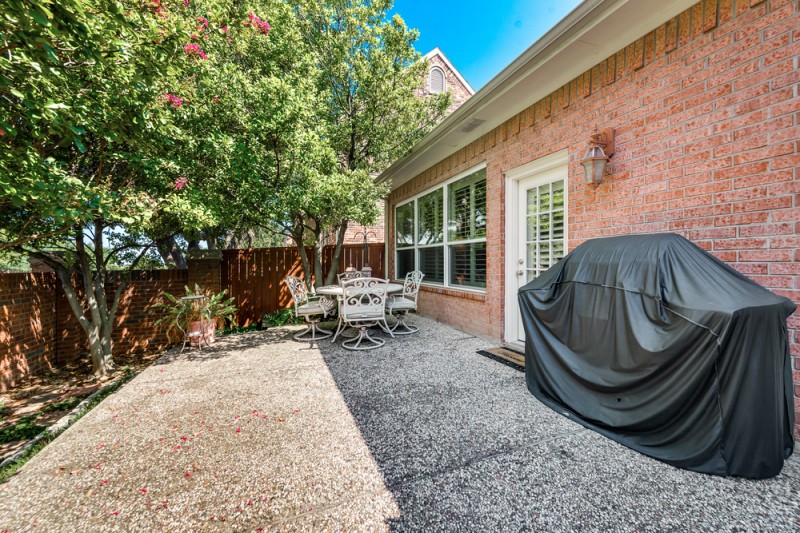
{"points": [[430, 79], [446, 242]]}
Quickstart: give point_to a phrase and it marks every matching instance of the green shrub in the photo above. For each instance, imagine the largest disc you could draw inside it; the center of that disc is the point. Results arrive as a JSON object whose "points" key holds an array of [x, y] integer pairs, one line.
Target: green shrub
{"points": [[235, 330], [281, 317]]}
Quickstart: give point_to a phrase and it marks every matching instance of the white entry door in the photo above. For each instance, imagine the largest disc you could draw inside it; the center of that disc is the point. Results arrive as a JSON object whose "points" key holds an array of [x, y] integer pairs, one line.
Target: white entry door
{"points": [[536, 231]]}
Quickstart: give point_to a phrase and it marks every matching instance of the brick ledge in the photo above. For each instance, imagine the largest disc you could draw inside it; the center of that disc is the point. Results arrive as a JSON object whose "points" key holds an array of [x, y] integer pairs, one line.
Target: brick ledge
{"points": [[449, 291]]}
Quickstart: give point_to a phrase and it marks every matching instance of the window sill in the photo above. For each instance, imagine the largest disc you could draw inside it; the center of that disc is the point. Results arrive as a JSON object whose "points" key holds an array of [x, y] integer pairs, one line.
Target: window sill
{"points": [[458, 293]]}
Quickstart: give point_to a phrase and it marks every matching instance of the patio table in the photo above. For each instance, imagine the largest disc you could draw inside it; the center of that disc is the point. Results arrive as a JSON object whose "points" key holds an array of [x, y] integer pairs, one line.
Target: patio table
{"points": [[337, 291]]}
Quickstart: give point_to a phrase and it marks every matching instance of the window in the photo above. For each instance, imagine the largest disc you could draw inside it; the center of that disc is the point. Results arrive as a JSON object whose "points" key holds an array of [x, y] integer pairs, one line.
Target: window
{"points": [[436, 81], [443, 233]]}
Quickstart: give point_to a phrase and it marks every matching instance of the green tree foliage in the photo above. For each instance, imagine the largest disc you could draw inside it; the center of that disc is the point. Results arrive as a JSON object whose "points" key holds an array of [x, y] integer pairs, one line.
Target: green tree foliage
{"points": [[301, 120], [369, 75], [85, 123]]}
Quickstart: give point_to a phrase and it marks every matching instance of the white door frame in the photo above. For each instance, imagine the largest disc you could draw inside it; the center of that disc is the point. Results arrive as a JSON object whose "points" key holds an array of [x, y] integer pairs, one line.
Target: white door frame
{"points": [[513, 179]]}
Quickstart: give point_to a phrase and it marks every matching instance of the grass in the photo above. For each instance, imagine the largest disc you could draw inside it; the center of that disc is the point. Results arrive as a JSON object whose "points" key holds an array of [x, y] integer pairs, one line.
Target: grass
{"points": [[25, 429], [63, 405], [10, 469]]}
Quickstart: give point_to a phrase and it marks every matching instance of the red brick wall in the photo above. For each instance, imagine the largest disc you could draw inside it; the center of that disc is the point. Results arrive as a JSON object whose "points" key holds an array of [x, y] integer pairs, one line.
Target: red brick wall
{"points": [[457, 90], [355, 232], [38, 330], [27, 325], [134, 324], [706, 110]]}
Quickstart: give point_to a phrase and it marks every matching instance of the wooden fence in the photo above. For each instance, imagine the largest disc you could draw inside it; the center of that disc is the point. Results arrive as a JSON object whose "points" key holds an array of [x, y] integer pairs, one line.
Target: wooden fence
{"points": [[254, 277]]}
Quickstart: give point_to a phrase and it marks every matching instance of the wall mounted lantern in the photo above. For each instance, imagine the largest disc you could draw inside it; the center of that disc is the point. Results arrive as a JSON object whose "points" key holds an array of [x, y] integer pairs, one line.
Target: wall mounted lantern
{"points": [[596, 159]]}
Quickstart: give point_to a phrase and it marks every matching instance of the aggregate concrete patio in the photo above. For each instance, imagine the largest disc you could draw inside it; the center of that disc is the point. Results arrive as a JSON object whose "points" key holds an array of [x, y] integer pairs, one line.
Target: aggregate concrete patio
{"points": [[263, 433]]}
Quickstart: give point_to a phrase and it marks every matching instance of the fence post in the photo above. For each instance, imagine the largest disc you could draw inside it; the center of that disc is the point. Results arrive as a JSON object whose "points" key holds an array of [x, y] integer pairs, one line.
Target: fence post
{"points": [[204, 269]]}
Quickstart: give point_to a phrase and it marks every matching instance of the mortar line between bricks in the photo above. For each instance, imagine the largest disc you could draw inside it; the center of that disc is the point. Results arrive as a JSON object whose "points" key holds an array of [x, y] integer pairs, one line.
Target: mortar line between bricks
{"points": [[482, 458]]}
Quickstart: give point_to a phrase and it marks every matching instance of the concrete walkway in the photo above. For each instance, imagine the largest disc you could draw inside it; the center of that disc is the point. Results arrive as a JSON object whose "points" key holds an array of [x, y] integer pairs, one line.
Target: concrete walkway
{"points": [[263, 433]]}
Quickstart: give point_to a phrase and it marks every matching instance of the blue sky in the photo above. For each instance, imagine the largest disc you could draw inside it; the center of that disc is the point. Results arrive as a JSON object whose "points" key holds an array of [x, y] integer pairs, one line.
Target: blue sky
{"points": [[481, 37]]}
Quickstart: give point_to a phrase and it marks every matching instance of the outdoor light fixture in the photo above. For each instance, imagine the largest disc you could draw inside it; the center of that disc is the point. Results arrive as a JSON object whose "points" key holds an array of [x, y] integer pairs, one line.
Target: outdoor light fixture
{"points": [[595, 161]]}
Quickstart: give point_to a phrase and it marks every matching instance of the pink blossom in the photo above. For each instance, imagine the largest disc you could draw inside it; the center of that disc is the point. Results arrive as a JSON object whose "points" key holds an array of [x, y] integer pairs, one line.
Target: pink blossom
{"points": [[180, 183], [187, 3], [194, 49], [203, 23], [173, 100], [262, 26]]}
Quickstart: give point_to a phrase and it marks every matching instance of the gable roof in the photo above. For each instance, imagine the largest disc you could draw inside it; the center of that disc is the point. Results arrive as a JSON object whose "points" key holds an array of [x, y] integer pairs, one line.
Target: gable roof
{"points": [[593, 31], [438, 52]]}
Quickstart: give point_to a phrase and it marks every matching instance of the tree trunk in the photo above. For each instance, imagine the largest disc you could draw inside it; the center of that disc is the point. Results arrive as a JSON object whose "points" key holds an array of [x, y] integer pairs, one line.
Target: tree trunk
{"points": [[337, 253], [171, 254], [298, 234], [317, 250], [97, 330]]}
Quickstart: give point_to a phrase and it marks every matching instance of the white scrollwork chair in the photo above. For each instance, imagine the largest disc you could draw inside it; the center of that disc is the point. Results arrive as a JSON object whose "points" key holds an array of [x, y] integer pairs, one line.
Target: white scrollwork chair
{"points": [[399, 305], [363, 305], [311, 308], [350, 274]]}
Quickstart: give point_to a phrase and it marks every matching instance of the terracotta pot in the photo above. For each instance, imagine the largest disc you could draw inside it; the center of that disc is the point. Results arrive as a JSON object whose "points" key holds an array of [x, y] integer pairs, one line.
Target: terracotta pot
{"points": [[195, 329]]}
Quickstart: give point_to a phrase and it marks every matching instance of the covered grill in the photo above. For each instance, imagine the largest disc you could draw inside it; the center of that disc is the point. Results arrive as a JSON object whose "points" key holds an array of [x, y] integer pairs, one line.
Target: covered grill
{"points": [[655, 343]]}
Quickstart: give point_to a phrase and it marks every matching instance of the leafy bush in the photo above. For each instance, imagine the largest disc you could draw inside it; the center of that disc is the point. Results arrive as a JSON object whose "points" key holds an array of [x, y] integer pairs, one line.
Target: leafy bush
{"points": [[236, 330], [281, 317]]}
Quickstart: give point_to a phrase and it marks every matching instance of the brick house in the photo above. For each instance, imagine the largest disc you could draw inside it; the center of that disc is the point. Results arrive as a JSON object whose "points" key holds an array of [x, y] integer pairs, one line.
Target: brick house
{"points": [[442, 77], [704, 101]]}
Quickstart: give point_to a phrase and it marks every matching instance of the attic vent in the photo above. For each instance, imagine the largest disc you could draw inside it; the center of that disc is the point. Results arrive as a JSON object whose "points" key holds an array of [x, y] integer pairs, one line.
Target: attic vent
{"points": [[471, 124], [436, 80]]}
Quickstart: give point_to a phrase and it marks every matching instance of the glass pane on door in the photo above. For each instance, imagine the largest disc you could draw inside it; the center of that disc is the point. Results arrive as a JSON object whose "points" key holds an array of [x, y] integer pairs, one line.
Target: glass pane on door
{"points": [[545, 221]]}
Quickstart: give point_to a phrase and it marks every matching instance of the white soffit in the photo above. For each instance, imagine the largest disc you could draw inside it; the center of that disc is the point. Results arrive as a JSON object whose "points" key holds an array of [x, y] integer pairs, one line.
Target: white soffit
{"points": [[592, 32]]}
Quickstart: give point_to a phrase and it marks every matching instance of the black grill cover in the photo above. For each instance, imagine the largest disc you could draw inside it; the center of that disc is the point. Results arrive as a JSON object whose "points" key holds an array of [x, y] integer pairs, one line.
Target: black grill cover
{"points": [[653, 342]]}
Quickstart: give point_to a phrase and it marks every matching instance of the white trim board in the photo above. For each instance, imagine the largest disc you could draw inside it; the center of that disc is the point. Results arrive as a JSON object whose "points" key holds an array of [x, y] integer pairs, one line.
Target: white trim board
{"points": [[542, 166]]}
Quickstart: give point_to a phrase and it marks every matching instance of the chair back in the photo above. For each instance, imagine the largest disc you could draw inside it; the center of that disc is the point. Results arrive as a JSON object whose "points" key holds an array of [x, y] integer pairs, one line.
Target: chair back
{"points": [[364, 299], [412, 284], [350, 274], [298, 289]]}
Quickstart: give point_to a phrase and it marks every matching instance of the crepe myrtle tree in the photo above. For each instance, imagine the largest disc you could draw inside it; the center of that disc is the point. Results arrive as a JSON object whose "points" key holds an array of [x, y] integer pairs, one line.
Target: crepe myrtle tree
{"points": [[88, 109]]}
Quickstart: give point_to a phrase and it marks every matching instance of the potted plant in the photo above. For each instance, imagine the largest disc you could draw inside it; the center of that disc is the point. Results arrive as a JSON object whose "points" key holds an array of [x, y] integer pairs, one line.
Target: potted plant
{"points": [[198, 317]]}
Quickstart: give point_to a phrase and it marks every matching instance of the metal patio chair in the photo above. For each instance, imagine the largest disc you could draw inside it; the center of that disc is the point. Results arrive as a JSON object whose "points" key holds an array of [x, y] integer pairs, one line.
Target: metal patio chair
{"points": [[311, 308], [399, 305], [350, 274], [363, 305]]}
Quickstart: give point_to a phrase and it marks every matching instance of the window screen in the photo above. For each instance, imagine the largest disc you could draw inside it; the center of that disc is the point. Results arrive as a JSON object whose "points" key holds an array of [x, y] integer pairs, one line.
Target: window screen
{"points": [[404, 224], [431, 218], [467, 207]]}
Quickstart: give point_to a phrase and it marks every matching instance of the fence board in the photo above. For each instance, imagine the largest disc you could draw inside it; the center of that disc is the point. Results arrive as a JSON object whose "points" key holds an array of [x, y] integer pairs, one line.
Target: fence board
{"points": [[254, 277]]}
